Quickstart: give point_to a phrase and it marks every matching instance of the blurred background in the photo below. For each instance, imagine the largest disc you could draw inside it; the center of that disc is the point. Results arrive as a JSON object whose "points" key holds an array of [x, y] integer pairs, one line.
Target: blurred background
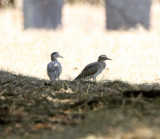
{"points": [[80, 30]]}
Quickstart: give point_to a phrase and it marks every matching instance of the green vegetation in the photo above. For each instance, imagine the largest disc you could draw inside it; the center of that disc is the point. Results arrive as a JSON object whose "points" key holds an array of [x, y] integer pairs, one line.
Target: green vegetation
{"points": [[30, 107], [5, 3]]}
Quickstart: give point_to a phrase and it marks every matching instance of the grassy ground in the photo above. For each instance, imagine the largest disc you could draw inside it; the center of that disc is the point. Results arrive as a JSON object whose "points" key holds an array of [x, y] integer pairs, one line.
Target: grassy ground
{"points": [[123, 104], [33, 108]]}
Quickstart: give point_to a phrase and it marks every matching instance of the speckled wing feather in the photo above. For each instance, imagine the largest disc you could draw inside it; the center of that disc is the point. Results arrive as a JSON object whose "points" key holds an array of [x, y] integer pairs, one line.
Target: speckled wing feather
{"points": [[89, 70], [54, 70]]}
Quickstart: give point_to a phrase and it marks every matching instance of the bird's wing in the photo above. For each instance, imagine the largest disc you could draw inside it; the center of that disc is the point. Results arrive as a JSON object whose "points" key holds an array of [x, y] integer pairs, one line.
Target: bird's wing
{"points": [[88, 70], [53, 69]]}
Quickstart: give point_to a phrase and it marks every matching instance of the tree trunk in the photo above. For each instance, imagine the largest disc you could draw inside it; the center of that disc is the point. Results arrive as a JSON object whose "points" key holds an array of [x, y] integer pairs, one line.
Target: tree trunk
{"points": [[44, 14], [125, 14]]}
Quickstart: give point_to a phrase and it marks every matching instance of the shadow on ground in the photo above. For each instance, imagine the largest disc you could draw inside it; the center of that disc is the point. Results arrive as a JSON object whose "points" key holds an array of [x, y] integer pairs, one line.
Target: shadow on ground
{"points": [[34, 108]]}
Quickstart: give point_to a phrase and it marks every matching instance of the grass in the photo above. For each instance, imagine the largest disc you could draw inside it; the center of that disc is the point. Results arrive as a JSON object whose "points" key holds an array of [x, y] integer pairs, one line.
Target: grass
{"points": [[124, 103], [32, 108]]}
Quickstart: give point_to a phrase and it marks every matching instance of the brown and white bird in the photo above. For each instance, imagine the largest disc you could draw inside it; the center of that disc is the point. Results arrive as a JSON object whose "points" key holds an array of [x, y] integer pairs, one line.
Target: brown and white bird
{"points": [[54, 68], [94, 69]]}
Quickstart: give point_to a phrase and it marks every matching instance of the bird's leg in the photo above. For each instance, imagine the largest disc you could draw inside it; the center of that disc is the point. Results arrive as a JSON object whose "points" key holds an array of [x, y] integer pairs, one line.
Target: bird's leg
{"points": [[53, 80], [94, 79]]}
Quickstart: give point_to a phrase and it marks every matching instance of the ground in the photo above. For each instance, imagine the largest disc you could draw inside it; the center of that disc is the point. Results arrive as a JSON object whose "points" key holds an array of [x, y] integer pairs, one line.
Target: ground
{"points": [[33, 108], [124, 103]]}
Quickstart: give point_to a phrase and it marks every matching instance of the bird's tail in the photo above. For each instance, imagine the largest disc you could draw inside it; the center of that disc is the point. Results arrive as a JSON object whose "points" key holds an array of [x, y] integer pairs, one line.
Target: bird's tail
{"points": [[77, 78]]}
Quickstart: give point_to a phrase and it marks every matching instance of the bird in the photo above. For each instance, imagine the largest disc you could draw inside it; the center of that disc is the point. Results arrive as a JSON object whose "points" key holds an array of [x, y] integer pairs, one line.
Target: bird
{"points": [[54, 68], [92, 70]]}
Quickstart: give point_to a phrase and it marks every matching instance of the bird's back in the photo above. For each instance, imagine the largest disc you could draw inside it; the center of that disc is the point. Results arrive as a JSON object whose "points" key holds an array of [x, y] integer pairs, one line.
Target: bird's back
{"points": [[89, 71], [54, 70]]}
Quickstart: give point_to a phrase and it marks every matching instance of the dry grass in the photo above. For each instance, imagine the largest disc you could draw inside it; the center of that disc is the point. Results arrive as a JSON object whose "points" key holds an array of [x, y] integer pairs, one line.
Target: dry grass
{"points": [[81, 41], [30, 108]]}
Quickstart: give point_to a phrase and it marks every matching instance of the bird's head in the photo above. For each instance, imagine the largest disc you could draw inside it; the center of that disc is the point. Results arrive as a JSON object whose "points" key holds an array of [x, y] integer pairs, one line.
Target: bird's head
{"points": [[55, 55], [103, 58]]}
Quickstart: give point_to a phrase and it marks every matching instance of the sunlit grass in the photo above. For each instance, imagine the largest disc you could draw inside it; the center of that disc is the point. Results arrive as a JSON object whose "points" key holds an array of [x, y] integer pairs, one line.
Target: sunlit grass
{"points": [[134, 53]]}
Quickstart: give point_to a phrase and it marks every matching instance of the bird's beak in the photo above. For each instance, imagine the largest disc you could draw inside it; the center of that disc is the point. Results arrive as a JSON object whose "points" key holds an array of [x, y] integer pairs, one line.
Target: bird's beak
{"points": [[60, 56], [108, 58]]}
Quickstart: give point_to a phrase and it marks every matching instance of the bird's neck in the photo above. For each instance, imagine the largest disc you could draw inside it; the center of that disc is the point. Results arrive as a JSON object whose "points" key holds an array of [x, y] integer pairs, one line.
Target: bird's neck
{"points": [[54, 59], [102, 61]]}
